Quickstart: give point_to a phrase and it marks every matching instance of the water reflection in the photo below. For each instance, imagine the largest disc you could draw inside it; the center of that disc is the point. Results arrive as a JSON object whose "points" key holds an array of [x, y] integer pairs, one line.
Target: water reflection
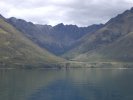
{"points": [[72, 84]]}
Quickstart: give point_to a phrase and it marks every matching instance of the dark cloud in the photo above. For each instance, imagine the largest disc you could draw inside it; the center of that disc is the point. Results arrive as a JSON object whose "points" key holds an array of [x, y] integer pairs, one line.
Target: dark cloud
{"points": [[80, 12]]}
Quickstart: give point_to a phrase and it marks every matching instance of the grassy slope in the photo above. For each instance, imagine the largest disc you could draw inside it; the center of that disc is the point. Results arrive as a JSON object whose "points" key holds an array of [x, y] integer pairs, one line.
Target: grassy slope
{"points": [[17, 49], [113, 30], [121, 51]]}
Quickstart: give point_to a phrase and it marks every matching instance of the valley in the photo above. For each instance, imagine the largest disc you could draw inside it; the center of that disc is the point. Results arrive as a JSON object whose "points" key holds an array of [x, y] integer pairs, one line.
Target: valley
{"points": [[27, 44]]}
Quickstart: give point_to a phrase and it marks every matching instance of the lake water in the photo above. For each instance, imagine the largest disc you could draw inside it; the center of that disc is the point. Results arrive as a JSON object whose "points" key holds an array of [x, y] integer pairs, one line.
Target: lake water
{"points": [[71, 84]]}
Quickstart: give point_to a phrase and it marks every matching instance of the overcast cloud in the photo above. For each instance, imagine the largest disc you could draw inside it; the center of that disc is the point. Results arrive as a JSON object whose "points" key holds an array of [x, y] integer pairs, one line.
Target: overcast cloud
{"points": [[79, 12]]}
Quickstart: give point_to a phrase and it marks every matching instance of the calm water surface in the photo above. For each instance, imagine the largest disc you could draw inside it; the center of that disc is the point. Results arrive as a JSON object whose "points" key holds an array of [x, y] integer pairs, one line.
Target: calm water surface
{"points": [[72, 84]]}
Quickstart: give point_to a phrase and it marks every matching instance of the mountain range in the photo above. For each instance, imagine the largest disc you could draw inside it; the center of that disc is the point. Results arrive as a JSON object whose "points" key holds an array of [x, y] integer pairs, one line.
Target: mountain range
{"points": [[18, 50], [113, 42], [26, 43], [57, 39]]}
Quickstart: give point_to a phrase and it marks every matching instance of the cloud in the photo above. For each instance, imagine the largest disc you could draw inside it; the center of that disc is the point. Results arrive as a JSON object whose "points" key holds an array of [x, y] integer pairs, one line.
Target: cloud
{"points": [[79, 12]]}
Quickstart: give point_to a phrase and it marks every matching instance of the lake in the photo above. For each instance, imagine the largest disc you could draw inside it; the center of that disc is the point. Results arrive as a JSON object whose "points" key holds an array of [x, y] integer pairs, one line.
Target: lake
{"points": [[66, 84]]}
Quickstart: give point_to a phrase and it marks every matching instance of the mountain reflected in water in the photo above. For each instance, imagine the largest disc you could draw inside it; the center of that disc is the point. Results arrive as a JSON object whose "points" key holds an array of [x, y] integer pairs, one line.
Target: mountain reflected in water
{"points": [[72, 84]]}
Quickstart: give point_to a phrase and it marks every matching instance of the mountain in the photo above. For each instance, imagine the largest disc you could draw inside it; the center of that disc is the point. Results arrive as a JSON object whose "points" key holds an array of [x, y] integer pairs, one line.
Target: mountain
{"points": [[57, 39], [119, 51], [111, 42], [18, 50]]}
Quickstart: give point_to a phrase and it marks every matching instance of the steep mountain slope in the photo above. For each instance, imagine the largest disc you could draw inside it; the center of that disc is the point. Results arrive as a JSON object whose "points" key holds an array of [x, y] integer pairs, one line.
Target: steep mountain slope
{"points": [[16, 49], [113, 30], [57, 39], [121, 50]]}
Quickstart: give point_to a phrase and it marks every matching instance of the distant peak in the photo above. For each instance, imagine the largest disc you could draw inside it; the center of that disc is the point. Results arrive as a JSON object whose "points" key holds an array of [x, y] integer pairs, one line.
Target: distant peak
{"points": [[60, 24], [131, 9], [12, 18]]}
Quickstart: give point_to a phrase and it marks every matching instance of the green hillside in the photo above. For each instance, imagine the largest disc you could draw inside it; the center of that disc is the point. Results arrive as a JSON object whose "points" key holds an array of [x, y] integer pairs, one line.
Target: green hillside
{"points": [[16, 49], [121, 51]]}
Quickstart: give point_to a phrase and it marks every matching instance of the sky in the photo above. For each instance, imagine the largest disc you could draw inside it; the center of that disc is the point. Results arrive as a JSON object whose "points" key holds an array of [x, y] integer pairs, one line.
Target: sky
{"points": [[52, 12]]}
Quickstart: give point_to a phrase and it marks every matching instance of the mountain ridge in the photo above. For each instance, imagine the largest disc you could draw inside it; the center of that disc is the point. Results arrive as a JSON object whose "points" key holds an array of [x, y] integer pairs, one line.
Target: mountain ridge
{"points": [[18, 50], [57, 39], [115, 29], [111, 41]]}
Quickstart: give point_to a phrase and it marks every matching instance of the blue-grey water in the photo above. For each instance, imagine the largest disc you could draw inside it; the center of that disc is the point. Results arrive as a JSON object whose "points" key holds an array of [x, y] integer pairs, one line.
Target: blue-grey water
{"points": [[72, 84]]}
